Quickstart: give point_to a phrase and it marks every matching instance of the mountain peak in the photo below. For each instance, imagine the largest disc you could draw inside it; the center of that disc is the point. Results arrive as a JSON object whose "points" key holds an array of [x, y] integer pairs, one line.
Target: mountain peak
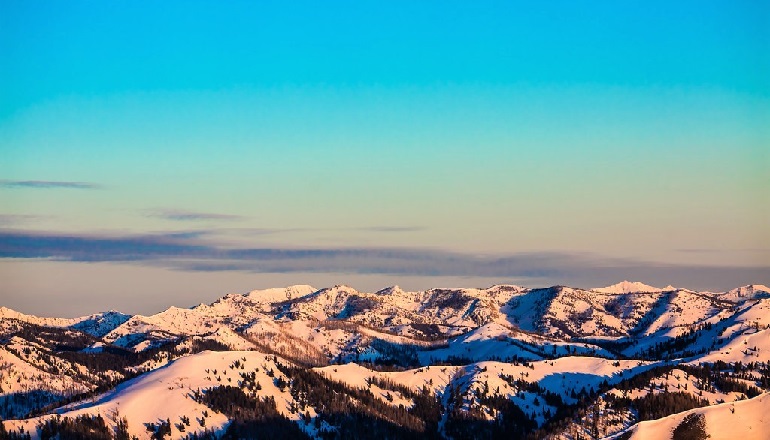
{"points": [[628, 287], [749, 290], [340, 288], [505, 287], [280, 293], [394, 289]]}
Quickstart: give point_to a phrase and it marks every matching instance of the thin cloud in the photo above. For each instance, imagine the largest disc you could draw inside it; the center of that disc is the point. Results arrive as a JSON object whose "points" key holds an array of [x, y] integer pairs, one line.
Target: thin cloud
{"points": [[16, 219], [47, 184], [188, 216], [393, 228], [184, 251], [246, 232], [73, 247], [719, 250]]}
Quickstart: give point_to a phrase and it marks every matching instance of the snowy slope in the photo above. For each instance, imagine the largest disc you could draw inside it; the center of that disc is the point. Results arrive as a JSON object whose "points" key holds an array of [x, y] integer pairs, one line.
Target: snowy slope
{"points": [[21, 378], [167, 393], [745, 420]]}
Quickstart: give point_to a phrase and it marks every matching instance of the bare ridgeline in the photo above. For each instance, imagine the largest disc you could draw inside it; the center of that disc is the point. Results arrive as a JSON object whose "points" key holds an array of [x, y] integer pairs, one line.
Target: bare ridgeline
{"points": [[629, 361]]}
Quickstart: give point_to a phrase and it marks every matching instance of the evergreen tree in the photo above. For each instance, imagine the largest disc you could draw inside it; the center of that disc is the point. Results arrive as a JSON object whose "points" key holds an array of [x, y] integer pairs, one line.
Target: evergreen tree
{"points": [[121, 430]]}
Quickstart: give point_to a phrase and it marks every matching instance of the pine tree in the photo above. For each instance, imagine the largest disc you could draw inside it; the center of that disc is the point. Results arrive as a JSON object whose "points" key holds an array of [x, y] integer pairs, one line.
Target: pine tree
{"points": [[121, 430]]}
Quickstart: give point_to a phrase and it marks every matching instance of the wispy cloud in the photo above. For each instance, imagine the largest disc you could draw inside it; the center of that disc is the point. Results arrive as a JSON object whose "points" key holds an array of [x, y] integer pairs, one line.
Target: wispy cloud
{"points": [[47, 184], [189, 252], [73, 247], [393, 228], [186, 251], [720, 250], [187, 216], [16, 219]]}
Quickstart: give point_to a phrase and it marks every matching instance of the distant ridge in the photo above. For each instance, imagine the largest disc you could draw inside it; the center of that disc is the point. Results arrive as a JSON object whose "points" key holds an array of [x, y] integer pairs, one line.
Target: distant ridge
{"points": [[630, 287]]}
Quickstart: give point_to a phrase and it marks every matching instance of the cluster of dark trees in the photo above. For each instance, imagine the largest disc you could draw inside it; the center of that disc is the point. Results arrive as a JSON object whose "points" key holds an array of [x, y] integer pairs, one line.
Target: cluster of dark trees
{"points": [[656, 405], [13, 435], [402, 355], [717, 377], [747, 372], [83, 427], [677, 347], [18, 405], [357, 304], [252, 416], [450, 299], [510, 421], [692, 427], [357, 412]]}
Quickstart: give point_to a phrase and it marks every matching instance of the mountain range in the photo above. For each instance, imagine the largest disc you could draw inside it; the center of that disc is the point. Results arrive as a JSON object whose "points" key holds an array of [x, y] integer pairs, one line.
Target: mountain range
{"points": [[623, 361]]}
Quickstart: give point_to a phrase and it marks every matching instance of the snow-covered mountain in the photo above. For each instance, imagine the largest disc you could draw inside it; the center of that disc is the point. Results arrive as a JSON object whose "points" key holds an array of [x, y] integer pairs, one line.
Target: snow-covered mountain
{"points": [[630, 287], [557, 362]]}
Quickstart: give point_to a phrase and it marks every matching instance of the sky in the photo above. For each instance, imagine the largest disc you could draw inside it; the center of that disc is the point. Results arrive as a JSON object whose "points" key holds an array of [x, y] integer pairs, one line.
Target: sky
{"points": [[168, 153]]}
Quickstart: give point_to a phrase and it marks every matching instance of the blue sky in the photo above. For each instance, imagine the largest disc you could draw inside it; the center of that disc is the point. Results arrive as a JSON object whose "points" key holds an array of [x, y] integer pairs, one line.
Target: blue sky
{"points": [[602, 141]]}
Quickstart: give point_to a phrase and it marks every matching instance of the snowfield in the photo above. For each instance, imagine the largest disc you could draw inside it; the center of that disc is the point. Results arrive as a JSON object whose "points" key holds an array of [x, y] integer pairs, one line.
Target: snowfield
{"points": [[745, 420]]}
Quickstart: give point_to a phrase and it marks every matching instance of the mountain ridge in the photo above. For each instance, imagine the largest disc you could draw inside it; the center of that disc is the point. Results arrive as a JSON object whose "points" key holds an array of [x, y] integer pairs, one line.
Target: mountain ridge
{"points": [[521, 356]]}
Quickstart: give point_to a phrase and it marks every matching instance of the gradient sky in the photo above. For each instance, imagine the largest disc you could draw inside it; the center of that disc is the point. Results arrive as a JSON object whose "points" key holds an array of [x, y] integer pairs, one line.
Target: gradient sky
{"points": [[578, 142]]}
